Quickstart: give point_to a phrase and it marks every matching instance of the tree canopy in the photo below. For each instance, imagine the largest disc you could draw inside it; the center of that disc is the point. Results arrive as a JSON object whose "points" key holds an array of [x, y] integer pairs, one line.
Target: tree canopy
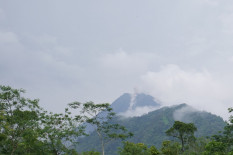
{"points": [[27, 129], [183, 131], [100, 116]]}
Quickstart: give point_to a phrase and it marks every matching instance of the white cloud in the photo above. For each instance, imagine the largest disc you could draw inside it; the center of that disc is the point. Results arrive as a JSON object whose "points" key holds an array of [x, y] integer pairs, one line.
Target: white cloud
{"points": [[227, 22], [8, 37], [210, 2], [61, 47], [123, 61], [45, 39], [39, 65], [172, 85], [128, 63], [2, 14], [180, 114], [57, 66], [138, 111]]}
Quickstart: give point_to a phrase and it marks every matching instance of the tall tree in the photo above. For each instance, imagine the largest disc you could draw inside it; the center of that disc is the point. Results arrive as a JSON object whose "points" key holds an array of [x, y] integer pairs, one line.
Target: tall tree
{"points": [[100, 116], [60, 130], [19, 119], [25, 128], [183, 131], [226, 137]]}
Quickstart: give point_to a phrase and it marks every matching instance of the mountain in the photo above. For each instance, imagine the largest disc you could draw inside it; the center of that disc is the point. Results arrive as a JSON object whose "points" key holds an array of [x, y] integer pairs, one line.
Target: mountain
{"points": [[122, 103], [142, 100], [130, 102], [127, 104], [150, 128]]}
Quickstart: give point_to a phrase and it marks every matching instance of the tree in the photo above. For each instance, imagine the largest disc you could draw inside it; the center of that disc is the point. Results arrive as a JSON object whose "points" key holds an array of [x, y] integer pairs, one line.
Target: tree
{"points": [[25, 128], [100, 116], [90, 153], [215, 148], [226, 137], [130, 148], [183, 131], [197, 147], [153, 150], [170, 148], [19, 119], [60, 131]]}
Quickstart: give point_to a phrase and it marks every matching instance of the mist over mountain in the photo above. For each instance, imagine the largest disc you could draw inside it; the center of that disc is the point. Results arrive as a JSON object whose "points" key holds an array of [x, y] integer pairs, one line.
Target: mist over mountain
{"points": [[150, 127], [136, 104], [130, 105]]}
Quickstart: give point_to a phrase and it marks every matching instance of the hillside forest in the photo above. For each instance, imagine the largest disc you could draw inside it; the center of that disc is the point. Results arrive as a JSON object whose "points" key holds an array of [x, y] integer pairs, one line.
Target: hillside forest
{"points": [[29, 129]]}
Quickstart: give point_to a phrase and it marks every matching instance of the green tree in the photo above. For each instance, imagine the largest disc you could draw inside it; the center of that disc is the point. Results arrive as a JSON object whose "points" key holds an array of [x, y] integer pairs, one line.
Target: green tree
{"points": [[60, 131], [197, 147], [90, 153], [27, 129], [100, 116], [130, 148], [226, 137], [19, 119], [183, 131], [170, 148], [153, 150], [215, 148]]}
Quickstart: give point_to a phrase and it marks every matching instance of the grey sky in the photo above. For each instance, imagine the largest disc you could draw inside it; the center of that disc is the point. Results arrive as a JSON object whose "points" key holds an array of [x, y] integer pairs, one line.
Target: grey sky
{"points": [[62, 51]]}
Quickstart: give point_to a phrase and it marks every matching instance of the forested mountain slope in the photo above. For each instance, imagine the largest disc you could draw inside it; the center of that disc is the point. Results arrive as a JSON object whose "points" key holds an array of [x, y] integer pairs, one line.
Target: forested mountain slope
{"points": [[150, 128]]}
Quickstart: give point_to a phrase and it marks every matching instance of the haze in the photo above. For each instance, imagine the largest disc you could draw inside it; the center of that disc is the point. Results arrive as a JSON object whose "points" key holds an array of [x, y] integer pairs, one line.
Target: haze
{"points": [[62, 51]]}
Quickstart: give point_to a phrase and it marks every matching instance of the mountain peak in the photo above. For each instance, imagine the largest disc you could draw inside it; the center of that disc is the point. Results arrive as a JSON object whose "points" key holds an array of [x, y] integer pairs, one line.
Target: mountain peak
{"points": [[134, 104], [122, 103]]}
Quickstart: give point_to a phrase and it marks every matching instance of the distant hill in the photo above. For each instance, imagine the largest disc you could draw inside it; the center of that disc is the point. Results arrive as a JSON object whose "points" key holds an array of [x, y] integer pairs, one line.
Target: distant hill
{"points": [[150, 128]]}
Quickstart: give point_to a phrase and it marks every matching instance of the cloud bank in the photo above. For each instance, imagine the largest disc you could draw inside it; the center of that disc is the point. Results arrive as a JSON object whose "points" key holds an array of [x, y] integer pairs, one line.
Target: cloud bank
{"points": [[200, 89], [178, 51], [138, 111]]}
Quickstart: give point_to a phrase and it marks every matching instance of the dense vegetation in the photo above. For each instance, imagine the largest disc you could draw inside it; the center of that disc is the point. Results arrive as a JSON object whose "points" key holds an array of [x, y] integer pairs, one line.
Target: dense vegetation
{"points": [[26, 128], [187, 143], [151, 128]]}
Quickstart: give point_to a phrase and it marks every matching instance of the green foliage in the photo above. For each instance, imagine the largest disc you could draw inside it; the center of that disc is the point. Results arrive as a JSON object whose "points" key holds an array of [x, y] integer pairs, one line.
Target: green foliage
{"points": [[197, 147], [150, 129], [100, 116], [226, 137], [153, 150], [170, 148], [27, 129], [59, 131], [215, 148], [165, 120], [90, 153], [183, 131], [19, 118], [130, 148]]}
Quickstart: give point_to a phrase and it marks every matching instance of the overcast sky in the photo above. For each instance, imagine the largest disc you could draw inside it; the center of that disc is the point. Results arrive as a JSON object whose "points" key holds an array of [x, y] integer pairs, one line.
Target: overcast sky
{"points": [[87, 50]]}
